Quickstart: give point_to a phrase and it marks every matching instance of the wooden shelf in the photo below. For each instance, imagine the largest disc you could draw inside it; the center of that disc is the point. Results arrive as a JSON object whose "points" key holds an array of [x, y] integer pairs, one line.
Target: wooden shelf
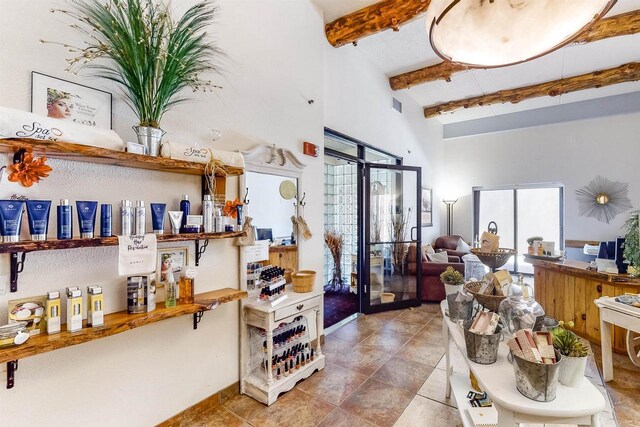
{"points": [[90, 154], [114, 323], [54, 244]]}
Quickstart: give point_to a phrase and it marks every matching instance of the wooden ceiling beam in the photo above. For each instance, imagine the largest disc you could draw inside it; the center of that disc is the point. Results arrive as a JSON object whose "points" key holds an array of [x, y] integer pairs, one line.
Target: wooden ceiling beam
{"points": [[625, 73], [373, 19], [618, 25]]}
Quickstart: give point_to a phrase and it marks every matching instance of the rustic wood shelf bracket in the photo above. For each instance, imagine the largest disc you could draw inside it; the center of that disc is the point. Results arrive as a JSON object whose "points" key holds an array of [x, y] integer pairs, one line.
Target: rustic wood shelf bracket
{"points": [[12, 367], [200, 250], [197, 317], [16, 267]]}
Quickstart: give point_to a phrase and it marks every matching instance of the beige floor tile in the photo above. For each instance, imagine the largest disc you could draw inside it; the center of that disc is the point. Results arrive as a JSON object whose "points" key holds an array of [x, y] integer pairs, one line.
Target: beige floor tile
{"points": [[332, 384], [403, 373], [218, 417], [377, 402], [341, 418], [387, 340], [363, 359], [352, 332], [396, 325], [435, 388], [244, 406], [423, 412], [293, 409], [428, 352], [419, 317]]}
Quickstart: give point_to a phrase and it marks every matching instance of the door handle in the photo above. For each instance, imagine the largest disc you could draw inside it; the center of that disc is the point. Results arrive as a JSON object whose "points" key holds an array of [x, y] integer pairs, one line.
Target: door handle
{"points": [[299, 307], [416, 230]]}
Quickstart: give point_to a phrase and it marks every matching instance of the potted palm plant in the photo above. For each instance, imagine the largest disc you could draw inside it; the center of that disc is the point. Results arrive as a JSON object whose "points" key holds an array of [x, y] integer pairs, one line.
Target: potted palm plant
{"points": [[148, 53], [574, 356], [632, 244]]}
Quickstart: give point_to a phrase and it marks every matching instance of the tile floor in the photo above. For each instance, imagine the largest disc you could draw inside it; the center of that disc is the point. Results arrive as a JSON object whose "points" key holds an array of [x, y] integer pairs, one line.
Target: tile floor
{"points": [[387, 369]]}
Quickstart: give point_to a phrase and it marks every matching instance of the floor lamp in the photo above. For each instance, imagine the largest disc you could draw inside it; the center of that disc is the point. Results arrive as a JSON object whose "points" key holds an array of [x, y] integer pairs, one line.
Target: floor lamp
{"points": [[450, 204]]}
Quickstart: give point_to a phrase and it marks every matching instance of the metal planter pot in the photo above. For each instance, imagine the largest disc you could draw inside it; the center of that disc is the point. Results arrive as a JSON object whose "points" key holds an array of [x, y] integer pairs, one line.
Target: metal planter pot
{"points": [[151, 138], [537, 381], [459, 310], [482, 349]]}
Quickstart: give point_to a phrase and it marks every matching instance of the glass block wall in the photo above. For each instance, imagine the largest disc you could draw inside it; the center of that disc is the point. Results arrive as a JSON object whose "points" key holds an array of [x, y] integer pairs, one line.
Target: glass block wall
{"points": [[341, 215]]}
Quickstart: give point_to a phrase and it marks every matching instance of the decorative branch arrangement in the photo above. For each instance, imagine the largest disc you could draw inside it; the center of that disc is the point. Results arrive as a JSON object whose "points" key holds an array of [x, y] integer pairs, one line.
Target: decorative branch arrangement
{"points": [[334, 243], [603, 199], [397, 230]]}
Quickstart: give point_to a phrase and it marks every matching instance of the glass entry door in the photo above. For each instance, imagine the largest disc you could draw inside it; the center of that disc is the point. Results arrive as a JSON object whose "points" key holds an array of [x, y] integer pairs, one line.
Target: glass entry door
{"points": [[391, 213]]}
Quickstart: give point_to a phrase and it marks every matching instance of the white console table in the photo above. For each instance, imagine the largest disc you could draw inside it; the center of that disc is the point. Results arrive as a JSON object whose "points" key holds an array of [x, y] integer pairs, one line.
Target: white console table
{"points": [[579, 405], [615, 313]]}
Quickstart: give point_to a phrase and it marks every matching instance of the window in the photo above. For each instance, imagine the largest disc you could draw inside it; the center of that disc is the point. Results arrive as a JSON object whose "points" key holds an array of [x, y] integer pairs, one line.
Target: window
{"points": [[521, 211]]}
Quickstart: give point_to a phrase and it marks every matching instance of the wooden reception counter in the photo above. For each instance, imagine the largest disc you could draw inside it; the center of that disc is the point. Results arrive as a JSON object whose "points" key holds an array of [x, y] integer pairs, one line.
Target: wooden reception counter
{"points": [[567, 290]]}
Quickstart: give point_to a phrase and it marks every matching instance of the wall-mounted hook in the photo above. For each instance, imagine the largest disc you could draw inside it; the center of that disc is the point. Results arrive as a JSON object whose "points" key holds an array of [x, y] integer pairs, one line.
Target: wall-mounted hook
{"points": [[302, 202], [245, 201]]}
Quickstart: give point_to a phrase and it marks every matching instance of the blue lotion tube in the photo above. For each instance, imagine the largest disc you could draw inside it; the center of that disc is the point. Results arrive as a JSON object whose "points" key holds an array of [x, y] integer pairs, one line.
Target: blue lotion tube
{"points": [[86, 218], [38, 214], [65, 217], [185, 207], [11, 219], [157, 217], [105, 220]]}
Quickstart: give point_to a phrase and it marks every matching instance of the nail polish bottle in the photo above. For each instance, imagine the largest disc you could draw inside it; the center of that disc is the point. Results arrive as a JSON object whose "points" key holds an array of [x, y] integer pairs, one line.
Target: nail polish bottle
{"points": [[278, 376], [312, 356], [286, 370], [298, 362], [291, 365]]}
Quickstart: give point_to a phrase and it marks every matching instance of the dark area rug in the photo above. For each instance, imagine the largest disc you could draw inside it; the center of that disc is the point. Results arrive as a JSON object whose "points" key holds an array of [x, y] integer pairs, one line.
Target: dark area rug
{"points": [[339, 305]]}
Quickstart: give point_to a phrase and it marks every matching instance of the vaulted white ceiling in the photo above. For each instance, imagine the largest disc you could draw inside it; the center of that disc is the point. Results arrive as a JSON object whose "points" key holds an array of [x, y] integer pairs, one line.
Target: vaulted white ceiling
{"points": [[408, 49]]}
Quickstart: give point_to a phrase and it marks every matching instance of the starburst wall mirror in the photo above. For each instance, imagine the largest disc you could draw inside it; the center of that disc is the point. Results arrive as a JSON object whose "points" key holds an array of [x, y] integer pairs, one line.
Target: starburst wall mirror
{"points": [[603, 199]]}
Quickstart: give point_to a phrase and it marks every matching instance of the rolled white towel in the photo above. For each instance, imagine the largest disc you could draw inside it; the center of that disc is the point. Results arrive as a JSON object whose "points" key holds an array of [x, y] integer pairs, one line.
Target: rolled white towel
{"points": [[181, 151], [23, 124]]}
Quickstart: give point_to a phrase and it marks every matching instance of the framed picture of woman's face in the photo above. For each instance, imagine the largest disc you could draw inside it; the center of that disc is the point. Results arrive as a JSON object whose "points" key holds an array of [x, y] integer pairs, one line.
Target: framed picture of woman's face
{"points": [[171, 261], [426, 207], [65, 100]]}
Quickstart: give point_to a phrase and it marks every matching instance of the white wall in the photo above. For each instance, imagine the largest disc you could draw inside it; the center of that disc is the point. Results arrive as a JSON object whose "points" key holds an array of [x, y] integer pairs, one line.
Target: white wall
{"points": [[573, 153], [275, 54], [358, 103]]}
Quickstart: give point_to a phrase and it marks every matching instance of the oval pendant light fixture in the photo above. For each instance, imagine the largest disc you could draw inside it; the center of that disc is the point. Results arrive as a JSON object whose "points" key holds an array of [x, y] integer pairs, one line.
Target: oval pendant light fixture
{"points": [[497, 33]]}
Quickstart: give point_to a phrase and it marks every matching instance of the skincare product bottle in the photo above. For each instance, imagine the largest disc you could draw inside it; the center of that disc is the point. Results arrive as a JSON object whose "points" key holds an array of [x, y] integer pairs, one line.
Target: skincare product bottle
{"points": [[207, 213], [176, 220], [11, 219], [86, 218], [137, 294], [218, 220], [171, 291], [74, 309], [38, 214], [65, 216], [95, 312], [53, 312], [126, 213], [185, 207], [141, 218], [157, 217], [105, 220]]}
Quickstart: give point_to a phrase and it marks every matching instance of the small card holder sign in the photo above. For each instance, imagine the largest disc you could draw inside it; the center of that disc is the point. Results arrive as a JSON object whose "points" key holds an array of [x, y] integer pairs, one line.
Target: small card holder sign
{"points": [[137, 254]]}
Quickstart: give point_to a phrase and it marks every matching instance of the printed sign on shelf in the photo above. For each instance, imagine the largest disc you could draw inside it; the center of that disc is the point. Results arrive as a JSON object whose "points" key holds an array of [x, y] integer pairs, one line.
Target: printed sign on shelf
{"points": [[137, 254]]}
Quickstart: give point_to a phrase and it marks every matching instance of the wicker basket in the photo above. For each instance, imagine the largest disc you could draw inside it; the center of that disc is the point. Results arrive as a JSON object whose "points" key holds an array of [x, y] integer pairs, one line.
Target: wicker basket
{"points": [[303, 281], [494, 260], [490, 302]]}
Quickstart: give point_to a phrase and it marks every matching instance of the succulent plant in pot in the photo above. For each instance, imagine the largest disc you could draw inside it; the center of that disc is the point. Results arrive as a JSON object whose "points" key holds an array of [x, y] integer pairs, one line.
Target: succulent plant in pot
{"points": [[574, 356], [150, 55], [452, 279]]}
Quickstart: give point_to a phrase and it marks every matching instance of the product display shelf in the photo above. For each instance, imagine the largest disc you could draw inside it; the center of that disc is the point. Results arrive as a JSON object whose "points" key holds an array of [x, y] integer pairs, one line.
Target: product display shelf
{"points": [[54, 244], [87, 153], [116, 323], [257, 382]]}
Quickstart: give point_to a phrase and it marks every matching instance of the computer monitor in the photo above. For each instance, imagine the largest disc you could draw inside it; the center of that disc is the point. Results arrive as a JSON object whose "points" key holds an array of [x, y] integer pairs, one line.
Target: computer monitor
{"points": [[264, 234]]}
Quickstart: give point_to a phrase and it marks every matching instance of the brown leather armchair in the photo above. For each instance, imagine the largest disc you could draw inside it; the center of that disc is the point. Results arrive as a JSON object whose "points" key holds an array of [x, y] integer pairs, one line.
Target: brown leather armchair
{"points": [[449, 244], [432, 287]]}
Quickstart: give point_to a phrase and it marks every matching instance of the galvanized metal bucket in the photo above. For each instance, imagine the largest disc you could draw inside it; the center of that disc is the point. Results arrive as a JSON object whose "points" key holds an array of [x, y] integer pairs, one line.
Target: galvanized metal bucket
{"points": [[461, 310], [537, 381], [150, 137], [482, 349]]}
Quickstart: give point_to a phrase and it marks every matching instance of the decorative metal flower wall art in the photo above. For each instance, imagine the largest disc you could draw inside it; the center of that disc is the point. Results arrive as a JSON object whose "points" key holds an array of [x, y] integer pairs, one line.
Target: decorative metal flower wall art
{"points": [[603, 199]]}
